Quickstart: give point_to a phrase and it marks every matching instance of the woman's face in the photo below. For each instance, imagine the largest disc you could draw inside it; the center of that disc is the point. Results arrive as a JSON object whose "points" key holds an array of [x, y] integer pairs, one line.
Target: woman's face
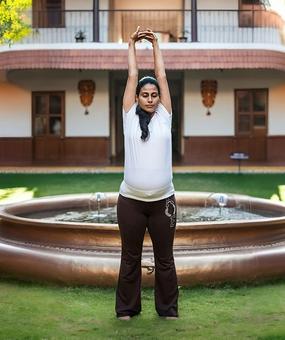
{"points": [[148, 98]]}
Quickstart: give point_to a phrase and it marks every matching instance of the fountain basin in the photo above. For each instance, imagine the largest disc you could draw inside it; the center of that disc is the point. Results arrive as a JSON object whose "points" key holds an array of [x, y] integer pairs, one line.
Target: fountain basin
{"points": [[89, 253]]}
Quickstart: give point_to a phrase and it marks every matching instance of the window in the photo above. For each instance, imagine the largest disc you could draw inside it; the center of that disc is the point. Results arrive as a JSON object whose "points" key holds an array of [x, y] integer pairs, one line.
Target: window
{"points": [[251, 2], [251, 111], [249, 12], [48, 114], [48, 13]]}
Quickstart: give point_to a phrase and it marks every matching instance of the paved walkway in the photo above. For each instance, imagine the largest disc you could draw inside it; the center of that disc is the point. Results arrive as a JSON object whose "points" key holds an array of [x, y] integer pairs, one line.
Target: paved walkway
{"points": [[119, 169]]}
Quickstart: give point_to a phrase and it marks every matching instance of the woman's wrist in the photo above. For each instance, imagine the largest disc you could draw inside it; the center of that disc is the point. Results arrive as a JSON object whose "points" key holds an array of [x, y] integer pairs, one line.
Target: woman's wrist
{"points": [[155, 45], [155, 42], [132, 42]]}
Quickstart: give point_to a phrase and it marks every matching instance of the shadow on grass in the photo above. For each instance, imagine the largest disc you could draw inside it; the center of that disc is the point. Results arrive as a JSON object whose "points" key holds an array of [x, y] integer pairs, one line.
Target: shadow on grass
{"points": [[77, 288]]}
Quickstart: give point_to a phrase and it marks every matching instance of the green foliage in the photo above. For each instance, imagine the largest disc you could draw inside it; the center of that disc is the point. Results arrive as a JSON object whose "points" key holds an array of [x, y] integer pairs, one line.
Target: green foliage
{"points": [[12, 195], [281, 191], [13, 21], [281, 194]]}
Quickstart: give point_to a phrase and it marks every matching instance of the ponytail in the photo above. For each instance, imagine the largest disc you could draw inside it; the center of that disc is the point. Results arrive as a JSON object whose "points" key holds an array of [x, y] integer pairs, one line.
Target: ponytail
{"points": [[144, 117]]}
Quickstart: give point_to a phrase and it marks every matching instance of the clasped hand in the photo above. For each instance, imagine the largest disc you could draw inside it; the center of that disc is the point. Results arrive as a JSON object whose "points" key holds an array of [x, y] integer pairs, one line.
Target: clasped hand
{"points": [[144, 34]]}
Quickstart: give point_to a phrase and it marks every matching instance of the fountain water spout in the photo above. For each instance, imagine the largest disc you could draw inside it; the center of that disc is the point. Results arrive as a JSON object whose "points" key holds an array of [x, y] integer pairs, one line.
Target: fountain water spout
{"points": [[95, 203]]}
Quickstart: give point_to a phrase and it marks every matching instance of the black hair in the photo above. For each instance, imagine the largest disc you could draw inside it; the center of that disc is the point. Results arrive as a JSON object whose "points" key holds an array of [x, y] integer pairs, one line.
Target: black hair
{"points": [[147, 80], [144, 117]]}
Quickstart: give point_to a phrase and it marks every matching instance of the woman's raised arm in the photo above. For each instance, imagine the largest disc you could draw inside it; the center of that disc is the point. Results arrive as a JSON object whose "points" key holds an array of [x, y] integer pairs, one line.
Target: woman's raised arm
{"points": [[130, 90], [159, 70]]}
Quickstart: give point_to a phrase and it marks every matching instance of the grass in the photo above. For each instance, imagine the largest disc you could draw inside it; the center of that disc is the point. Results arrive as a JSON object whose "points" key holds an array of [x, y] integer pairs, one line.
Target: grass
{"points": [[32, 311], [35, 311], [259, 185]]}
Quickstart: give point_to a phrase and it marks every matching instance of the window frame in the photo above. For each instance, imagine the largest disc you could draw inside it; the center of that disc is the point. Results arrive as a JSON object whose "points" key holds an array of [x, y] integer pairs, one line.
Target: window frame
{"points": [[41, 14], [48, 115], [249, 13], [254, 130]]}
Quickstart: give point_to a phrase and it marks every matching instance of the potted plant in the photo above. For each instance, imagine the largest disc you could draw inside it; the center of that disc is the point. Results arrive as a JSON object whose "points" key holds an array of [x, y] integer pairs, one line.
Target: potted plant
{"points": [[80, 36], [183, 37]]}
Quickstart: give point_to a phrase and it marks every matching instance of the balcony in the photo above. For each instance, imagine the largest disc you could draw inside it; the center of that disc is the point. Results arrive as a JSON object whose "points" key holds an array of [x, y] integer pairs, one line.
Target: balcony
{"points": [[213, 26]]}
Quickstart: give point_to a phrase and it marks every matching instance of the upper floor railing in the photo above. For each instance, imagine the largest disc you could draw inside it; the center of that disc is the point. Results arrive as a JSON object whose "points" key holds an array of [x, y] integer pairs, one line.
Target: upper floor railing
{"points": [[213, 26]]}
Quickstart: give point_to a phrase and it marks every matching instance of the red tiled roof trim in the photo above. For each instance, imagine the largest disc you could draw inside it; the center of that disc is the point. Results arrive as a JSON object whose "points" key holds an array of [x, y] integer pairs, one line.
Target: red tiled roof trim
{"points": [[117, 59]]}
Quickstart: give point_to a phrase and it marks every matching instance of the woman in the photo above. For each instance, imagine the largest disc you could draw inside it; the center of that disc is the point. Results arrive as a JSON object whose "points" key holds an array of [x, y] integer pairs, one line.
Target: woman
{"points": [[146, 197]]}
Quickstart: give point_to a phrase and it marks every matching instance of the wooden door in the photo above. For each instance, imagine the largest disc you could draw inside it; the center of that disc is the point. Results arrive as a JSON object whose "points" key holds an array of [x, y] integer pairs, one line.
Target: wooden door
{"points": [[48, 125], [252, 122]]}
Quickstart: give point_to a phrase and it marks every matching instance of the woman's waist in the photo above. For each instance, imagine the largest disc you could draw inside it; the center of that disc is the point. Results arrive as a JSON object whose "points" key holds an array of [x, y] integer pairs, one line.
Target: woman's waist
{"points": [[146, 193], [146, 179]]}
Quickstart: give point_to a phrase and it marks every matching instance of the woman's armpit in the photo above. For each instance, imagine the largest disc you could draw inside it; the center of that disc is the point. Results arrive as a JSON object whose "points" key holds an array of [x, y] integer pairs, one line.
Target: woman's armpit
{"points": [[132, 108]]}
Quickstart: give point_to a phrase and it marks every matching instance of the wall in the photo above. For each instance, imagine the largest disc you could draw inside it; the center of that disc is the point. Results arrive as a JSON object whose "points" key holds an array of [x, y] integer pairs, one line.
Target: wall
{"points": [[210, 4], [277, 108], [148, 4], [86, 4], [15, 111], [221, 121], [77, 123], [219, 4], [78, 5]]}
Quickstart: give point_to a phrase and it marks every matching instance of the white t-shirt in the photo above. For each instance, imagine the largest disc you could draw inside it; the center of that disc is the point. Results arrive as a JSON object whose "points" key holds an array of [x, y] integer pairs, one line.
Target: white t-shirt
{"points": [[148, 164]]}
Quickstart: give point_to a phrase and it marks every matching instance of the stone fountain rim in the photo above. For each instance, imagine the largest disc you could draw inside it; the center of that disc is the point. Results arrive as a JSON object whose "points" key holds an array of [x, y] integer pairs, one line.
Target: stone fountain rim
{"points": [[7, 216]]}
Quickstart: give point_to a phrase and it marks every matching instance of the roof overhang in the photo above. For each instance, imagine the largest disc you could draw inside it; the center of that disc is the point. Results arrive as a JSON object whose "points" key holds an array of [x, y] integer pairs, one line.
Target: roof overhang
{"points": [[184, 56]]}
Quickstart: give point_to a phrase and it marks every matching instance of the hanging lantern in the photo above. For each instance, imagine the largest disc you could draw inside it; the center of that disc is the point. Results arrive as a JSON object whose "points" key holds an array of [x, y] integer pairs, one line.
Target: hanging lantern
{"points": [[209, 90], [86, 89]]}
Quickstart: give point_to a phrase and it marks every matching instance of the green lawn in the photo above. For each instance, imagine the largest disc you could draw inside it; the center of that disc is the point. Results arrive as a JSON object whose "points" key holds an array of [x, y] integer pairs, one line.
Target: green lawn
{"points": [[260, 185], [35, 311], [31, 311]]}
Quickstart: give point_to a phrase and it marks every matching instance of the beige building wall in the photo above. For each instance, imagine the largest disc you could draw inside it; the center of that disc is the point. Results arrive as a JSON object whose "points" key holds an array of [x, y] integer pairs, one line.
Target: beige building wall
{"points": [[96, 123], [218, 4], [16, 110], [84, 5], [276, 121], [221, 122], [78, 5], [148, 4]]}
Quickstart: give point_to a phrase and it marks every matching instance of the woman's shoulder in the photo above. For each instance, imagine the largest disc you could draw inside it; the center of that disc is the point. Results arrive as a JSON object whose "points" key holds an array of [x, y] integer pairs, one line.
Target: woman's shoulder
{"points": [[161, 109]]}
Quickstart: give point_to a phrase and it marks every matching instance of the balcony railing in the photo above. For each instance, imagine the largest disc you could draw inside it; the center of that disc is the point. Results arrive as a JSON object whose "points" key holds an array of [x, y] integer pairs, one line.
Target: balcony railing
{"points": [[213, 26]]}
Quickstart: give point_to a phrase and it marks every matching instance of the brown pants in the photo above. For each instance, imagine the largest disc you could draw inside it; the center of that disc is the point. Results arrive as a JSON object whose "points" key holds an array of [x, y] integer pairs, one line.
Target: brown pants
{"points": [[160, 218]]}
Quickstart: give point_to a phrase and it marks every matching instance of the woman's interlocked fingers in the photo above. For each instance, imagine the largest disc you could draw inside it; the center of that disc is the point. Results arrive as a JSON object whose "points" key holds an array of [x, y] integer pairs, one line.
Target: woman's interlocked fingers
{"points": [[146, 34]]}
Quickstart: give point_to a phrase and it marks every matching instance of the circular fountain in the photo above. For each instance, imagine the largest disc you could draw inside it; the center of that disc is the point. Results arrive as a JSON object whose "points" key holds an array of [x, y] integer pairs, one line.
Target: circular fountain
{"points": [[74, 239]]}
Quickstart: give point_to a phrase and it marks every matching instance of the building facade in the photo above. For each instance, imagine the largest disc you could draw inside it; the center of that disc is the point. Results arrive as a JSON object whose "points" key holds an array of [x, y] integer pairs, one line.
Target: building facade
{"points": [[61, 87]]}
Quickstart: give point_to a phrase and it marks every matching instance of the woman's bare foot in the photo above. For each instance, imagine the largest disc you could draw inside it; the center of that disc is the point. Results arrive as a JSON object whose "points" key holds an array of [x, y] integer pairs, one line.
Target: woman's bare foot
{"points": [[170, 317], [125, 318]]}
